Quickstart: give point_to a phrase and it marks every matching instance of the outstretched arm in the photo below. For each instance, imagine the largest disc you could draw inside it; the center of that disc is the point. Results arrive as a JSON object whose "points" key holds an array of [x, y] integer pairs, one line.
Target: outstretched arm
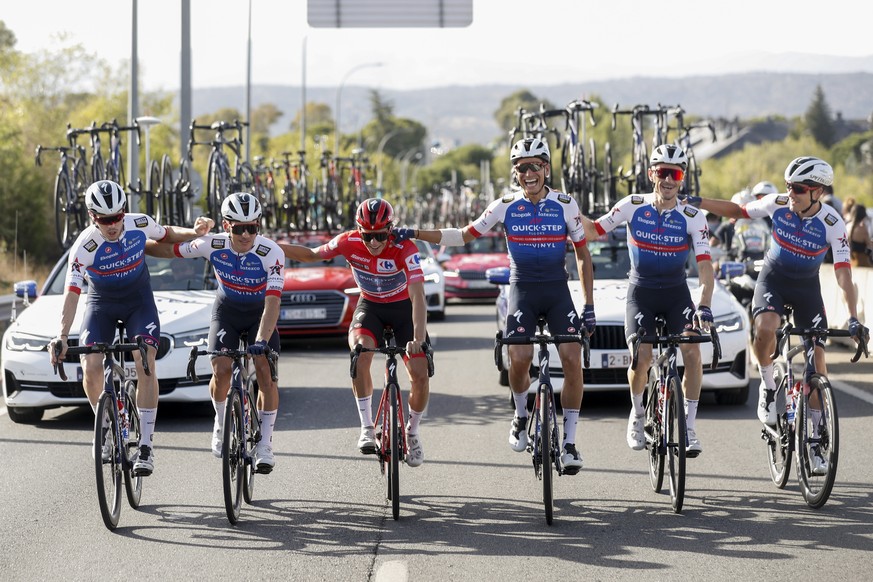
{"points": [[300, 253]]}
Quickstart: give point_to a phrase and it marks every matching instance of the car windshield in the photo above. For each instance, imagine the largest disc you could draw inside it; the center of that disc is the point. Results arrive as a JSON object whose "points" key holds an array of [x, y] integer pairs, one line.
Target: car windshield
{"points": [[610, 260], [176, 274]]}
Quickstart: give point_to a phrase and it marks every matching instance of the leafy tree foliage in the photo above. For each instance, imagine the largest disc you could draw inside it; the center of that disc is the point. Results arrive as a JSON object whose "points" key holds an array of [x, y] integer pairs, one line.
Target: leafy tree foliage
{"points": [[819, 120]]}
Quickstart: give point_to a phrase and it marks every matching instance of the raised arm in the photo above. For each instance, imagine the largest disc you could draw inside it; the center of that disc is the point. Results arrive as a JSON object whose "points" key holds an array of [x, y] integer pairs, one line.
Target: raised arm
{"points": [[300, 253]]}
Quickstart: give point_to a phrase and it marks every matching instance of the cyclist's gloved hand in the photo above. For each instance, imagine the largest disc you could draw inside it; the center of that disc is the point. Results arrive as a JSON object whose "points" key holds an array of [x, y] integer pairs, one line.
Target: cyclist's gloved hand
{"points": [[858, 331], [259, 348], [402, 234], [703, 317], [693, 201], [589, 319]]}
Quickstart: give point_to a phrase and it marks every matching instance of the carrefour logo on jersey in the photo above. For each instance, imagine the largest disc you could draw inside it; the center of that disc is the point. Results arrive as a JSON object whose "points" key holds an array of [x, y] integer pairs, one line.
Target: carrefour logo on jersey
{"points": [[386, 266], [413, 262]]}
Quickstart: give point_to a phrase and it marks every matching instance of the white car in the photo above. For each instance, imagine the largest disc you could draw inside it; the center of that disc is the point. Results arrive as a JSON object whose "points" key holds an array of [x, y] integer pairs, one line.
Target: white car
{"points": [[434, 281], [610, 356], [184, 305]]}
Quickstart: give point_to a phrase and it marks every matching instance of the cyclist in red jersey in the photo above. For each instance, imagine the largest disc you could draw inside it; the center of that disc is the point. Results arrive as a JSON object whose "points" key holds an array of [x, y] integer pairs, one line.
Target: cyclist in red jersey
{"points": [[392, 293]]}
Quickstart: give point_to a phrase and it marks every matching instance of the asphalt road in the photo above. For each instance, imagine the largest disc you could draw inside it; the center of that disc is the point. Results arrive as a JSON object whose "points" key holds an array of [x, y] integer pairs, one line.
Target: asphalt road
{"points": [[473, 511]]}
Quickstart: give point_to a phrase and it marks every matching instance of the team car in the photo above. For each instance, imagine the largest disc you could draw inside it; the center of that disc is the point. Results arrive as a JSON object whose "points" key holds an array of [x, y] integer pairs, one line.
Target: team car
{"points": [[610, 356], [466, 266], [184, 291]]}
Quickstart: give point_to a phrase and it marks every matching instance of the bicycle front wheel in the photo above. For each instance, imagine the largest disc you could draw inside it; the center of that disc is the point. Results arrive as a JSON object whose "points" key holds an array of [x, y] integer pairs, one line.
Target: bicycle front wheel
{"points": [[251, 438], [232, 462], [216, 187], [779, 447], [676, 442], [132, 483], [817, 434], [654, 437], [396, 452], [65, 218], [546, 437], [107, 460], [154, 195]]}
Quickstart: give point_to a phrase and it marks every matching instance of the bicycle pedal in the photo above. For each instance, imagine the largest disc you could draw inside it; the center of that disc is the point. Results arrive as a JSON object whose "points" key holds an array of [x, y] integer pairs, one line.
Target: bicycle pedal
{"points": [[570, 470], [263, 469], [691, 454]]}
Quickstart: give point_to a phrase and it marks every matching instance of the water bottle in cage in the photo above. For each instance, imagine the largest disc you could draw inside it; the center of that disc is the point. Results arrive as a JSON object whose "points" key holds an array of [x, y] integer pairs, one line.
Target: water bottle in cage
{"points": [[122, 417], [662, 395], [791, 404]]}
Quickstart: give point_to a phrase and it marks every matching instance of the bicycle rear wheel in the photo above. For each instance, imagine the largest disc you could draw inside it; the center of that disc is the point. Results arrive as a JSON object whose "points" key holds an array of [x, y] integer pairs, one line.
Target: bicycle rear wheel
{"points": [[216, 187], [654, 437], [154, 204], [132, 483], [676, 442], [232, 456], [396, 453], [816, 487], [251, 439], [107, 466], [546, 435], [65, 218], [779, 448]]}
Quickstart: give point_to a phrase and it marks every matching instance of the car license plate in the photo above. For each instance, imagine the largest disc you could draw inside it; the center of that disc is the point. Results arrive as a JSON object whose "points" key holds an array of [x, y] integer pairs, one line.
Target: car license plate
{"points": [[304, 313], [479, 284], [129, 372], [615, 360]]}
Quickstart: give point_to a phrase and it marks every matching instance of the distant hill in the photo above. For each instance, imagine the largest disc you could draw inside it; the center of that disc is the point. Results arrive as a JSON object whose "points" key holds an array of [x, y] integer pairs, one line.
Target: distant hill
{"points": [[465, 114]]}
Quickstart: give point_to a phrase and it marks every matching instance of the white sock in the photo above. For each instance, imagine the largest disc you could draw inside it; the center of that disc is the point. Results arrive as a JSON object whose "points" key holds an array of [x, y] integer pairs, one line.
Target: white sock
{"points": [[690, 413], [365, 411], [520, 404], [268, 421], [412, 423], [571, 420], [219, 413], [816, 419], [767, 376], [637, 403], [147, 425]]}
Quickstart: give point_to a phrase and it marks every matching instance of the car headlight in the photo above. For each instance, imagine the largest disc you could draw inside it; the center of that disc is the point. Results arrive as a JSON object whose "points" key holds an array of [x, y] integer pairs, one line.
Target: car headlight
{"points": [[432, 278], [195, 338], [19, 342], [728, 323], [451, 273]]}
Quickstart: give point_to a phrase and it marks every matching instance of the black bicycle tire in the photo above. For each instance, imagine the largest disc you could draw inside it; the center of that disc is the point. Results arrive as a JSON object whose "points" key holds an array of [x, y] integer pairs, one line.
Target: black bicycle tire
{"points": [[814, 496], [251, 413], [184, 190], [216, 187], [545, 448], [655, 449], [98, 168], [79, 208], [108, 490], [64, 219], [677, 441], [154, 195], [779, 450], [231, 457], [169, 197], [592, 177], [132, 483], [396, 452]]}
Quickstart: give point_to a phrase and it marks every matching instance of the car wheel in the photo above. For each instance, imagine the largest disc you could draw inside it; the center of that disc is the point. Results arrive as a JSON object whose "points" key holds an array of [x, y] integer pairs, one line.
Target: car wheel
{"points": [[733, 397], [24, 414]]}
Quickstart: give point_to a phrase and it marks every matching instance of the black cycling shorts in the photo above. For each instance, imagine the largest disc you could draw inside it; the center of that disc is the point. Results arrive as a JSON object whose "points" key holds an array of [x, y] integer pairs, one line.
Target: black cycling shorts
{"points": [[774, 291], [527, 301], [674, 304], [230, 322]]}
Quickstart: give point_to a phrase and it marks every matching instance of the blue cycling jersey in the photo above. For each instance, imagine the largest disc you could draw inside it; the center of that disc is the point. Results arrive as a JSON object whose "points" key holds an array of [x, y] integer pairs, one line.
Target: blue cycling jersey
{"points": [[536, 234], [659, 242]]}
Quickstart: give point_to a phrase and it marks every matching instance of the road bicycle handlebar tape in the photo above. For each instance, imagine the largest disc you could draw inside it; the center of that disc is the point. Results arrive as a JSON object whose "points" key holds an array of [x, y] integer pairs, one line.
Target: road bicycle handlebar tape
{"points": [[451, 237]]}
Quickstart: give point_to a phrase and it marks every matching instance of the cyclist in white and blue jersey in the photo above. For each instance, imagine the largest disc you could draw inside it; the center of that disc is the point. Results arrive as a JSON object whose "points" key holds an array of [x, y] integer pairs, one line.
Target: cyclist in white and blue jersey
{"points": [[537, 222], [661, 233], [803, 229], [111, 255]]}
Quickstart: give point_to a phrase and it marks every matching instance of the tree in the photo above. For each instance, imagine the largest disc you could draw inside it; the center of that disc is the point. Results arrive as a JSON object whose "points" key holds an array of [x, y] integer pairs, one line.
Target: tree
{"points": [[506, 115], [819, 120]]}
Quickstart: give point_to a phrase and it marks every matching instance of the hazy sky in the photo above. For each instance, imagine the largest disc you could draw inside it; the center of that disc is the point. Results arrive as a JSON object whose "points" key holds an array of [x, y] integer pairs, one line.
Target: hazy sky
{"points": [[526, 43]]}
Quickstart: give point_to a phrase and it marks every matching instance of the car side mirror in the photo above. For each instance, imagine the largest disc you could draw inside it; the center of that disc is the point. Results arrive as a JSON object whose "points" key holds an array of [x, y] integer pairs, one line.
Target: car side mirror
{"points": [[25, 289]]}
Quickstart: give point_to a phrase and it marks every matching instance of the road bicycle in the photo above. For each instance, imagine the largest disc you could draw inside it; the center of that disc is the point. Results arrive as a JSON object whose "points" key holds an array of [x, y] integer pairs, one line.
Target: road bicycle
{"points": [[638, 177], [242, 426], [807, 423], [665, 427], [71, 182], [265, 190], [221, 178], [691, 184], [544, 443], [579, 175], [294, 210], [390, 423], [116, 427], [355, 193]]}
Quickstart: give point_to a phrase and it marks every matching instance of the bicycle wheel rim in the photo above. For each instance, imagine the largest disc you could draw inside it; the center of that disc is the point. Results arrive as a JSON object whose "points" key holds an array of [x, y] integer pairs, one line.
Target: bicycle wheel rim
{"points": [[779, 447], [545, 446], [394, 468], [654, 440], [251, 439], [64, 219], [816, 489], [108, 474], [676, 439], [132, 483], [231, 457]]}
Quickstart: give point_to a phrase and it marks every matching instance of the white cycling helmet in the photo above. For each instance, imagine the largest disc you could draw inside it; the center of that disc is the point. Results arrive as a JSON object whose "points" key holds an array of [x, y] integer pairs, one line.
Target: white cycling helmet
{"points": [[530, 147], [241, 207], [668, 153], [764, 188], [744, 196], [105, 197], [810, 171]]}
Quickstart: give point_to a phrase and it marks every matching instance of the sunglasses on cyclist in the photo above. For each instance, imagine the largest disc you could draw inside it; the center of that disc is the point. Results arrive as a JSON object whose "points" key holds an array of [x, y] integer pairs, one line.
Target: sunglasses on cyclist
{"points": [[799, 188], [107, 220], [377, 236], [241, 228], [663, 173], [529, 167]]}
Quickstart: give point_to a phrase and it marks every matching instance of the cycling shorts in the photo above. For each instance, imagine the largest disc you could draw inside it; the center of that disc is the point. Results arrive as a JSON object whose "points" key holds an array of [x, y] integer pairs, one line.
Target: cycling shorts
{"points": [[230, 321], [136, 309], [773, 292], [527, 301], [371, 318], [644, 303]]}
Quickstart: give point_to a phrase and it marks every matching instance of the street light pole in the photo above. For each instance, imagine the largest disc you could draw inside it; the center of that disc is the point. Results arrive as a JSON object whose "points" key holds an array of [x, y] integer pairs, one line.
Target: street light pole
{"points": [[339, 96], [380, 161]]}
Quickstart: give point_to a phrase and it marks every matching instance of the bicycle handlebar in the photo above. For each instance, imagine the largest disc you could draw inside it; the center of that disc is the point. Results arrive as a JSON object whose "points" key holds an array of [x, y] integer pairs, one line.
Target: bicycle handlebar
{"points": [[674, 339], [811, 332], [542, 339], [391, 351], [271, 355], [102, 348]]}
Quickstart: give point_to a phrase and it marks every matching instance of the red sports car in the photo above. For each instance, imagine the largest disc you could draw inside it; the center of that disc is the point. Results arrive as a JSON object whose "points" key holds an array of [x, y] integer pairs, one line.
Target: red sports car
{"points": [[465, 270]]}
